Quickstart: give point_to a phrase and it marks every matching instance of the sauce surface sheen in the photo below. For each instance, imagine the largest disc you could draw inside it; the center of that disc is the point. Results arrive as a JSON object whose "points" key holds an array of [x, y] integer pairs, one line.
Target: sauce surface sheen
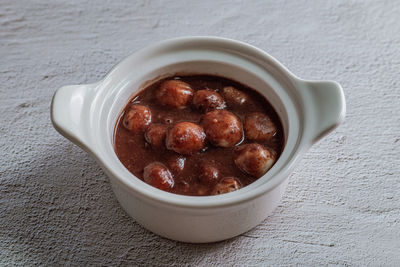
{"points": [[135, 153]]}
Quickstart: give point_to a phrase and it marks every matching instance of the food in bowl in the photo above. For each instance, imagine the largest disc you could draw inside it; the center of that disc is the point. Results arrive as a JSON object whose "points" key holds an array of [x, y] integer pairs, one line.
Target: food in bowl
{"points": [[198, 135], [86, 114]]}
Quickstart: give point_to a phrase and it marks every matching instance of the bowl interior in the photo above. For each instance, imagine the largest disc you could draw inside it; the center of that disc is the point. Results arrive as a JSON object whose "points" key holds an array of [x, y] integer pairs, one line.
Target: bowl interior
{"points": [[139, 70]]}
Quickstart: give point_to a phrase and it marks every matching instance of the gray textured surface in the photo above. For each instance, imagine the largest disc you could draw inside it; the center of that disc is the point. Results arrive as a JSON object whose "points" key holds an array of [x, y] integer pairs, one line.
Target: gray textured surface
{"points": [[342, 206]]}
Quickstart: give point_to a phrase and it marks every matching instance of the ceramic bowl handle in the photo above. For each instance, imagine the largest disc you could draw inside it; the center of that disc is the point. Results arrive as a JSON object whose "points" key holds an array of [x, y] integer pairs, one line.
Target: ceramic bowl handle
{"points": [[328, 107], [67, 107]]}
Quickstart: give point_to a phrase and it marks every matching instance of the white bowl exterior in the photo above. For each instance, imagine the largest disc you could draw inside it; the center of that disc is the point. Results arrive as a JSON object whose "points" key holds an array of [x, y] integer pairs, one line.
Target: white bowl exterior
{"points": [[185, 218], [201, 226]]}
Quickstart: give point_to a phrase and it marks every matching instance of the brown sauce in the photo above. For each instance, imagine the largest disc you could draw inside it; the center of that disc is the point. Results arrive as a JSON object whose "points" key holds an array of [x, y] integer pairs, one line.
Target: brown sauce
{"points": [[135, 153]]}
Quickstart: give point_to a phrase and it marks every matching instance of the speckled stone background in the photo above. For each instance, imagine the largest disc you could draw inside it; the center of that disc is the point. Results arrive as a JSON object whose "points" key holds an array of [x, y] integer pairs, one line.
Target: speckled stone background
{"points": [[342, 206]]}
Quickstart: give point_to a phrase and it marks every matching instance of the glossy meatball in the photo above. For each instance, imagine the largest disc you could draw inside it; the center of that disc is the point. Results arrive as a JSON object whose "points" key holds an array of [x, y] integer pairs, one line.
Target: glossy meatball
{"points": [[137, 118], [234, 96], [223, 128], [157, 175], [207, 100], [254, 159], [186, 138], [209, 174], [228, 184], [176, 163], [259, 127], [175, 94], [155, 135]]}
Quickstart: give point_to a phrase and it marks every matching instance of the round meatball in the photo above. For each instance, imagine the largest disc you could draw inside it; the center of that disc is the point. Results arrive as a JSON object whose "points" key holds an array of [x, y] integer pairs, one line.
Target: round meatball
{"points": [[207, 100], [157, 175], [186, 138], [209, 174], [228, 184], [176, 163], [259, 127], [137, 118], [155, 135], [223, 128], [254, 159], [234, 96], [175, 94]]}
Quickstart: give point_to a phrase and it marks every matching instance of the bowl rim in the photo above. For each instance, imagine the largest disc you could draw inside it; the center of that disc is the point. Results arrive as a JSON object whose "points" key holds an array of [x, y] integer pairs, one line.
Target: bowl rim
{"points": [[218, 201]]}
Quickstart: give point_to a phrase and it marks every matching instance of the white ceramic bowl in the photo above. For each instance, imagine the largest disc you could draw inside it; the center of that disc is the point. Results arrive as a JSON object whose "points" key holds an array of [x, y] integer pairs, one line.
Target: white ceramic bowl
{"points": [[86, 115]]}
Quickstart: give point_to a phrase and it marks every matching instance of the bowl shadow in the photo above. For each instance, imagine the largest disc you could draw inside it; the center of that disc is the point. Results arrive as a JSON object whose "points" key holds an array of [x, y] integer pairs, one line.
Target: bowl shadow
{"points": [[67, 214]]}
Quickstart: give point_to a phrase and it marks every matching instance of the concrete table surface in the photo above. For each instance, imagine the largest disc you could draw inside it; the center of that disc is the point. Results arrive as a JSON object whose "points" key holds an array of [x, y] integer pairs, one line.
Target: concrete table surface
{"points": [[342, 206]]}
